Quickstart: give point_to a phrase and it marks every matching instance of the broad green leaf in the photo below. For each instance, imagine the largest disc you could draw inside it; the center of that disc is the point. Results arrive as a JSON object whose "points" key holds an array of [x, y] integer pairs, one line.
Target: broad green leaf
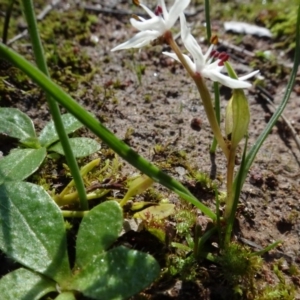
{"points": [[97, 231], [116, 274], [66, 296], [26, 285], [32, 230], [16, 124], [21, 163], [48, 135], [80, 146], [32, 142]]}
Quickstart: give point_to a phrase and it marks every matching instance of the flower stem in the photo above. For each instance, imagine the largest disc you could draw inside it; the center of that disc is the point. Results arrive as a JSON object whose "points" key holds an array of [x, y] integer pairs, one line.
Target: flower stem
{"points": [[53, 106], [204, 93], [218, 114], [230, 173]]}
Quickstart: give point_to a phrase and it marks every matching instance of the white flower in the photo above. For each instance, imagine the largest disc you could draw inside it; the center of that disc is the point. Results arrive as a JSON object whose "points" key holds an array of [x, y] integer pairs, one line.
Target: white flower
{"points": [[209, 65], [160, 21]]}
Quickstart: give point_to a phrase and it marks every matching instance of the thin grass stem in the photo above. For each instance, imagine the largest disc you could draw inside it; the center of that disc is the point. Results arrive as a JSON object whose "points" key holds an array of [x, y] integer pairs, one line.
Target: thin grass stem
{"points": [[53, 106], [216, 84], [7, 20]]}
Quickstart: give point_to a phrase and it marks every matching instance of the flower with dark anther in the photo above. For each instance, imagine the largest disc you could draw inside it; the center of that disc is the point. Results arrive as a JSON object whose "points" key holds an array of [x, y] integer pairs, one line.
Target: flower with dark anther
{"points": [[160, 22], [209, 65]]}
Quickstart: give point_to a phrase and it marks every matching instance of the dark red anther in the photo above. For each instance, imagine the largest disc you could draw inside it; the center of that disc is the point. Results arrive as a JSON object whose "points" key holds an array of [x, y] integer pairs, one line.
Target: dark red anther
{"points": [[214, 54], [223, 56], [158, 11]]}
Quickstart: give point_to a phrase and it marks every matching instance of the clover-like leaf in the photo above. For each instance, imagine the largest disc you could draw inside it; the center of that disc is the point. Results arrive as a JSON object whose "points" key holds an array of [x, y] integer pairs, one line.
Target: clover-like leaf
{"points": [[116, 274], [26, 285], [81, 147], [98, 230], [21, 163], [16, 124], [32, 230], [48, 135]]}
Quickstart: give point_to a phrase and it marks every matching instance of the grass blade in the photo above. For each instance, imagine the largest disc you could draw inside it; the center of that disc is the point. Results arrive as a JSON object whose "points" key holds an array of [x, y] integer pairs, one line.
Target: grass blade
{"points": [[253, 151], [53, 106]]}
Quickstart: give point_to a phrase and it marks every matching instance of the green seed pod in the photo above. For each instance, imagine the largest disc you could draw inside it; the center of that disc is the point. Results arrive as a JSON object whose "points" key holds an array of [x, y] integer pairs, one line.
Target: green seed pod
{"points": [[237, 117], [237, 114]]}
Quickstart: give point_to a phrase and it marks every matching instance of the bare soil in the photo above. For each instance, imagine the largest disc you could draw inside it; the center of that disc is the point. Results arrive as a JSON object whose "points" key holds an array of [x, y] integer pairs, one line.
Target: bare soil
{"points": [[147, 99]]}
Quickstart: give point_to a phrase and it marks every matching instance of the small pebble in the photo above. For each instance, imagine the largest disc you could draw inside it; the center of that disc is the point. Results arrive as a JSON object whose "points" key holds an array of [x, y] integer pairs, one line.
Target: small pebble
{"points": [[196, 124]]}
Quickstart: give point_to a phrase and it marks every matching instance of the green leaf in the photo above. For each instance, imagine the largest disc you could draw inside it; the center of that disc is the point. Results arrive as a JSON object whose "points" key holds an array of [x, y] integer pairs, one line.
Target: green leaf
{"points": [[16, 124], [80, 146], [48, 135], [98, 230], [21, 163], [26, 285], [116, 274], [32, 230], [31, 142]]}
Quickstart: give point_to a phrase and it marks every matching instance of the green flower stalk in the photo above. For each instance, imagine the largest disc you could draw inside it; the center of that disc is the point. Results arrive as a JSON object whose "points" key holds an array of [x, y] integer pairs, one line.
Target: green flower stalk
{"points": [[237, 120]]}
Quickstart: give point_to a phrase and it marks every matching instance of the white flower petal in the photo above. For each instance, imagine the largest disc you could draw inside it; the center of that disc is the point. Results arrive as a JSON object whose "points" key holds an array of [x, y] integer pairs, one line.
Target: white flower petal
{"points": [[226, 80], [187, 59], [172, 55], [214, 66], [150, 24], [162, 4], [207, 54], [141, 38], [154, 27], [177, 9], [148, 11], [205, 65], [184, 29], [191, 44], [249, 75]]}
